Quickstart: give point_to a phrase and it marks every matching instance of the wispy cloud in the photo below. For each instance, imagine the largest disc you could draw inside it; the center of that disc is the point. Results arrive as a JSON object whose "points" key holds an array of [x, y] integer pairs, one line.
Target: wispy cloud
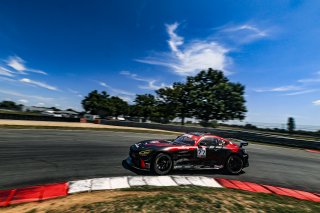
{"points": [[38, 84], [23, 101], [24, 96], [6, 72], [124, 95], [75, 92], [19, 65], [315, 79], [189, 58], [244, 33], [302, 92], [317, 102], [281, 89], [151, 83]]}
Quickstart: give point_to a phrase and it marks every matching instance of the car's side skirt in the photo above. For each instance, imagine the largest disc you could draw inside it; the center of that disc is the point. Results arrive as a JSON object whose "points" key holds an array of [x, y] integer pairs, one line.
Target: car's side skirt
{"points": [[198, 167]]}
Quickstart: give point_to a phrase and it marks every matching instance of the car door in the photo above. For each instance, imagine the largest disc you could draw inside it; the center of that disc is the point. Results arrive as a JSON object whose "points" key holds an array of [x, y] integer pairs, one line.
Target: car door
{"points": [[185, 157], [213, 148]]}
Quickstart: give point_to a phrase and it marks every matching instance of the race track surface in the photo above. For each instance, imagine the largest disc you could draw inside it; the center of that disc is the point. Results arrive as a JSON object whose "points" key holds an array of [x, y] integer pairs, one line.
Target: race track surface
{"points": [[31, 157]]}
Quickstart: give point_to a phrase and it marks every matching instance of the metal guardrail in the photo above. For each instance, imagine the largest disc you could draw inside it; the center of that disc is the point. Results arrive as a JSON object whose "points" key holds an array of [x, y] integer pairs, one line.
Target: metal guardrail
{"points": [[240, 134]]}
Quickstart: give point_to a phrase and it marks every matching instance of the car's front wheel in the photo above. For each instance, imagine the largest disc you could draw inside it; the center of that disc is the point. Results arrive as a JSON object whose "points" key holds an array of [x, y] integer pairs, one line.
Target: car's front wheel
{"points": [[162, 164], [234, 164]]}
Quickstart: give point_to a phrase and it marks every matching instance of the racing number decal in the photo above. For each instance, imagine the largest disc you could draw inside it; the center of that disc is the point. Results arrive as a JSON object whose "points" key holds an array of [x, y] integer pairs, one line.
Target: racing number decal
{"points": [[201, 152]]}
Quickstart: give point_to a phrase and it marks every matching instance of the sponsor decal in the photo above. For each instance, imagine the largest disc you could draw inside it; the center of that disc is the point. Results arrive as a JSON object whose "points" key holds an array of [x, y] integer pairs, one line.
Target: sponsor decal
{"points": [[145, 152]]}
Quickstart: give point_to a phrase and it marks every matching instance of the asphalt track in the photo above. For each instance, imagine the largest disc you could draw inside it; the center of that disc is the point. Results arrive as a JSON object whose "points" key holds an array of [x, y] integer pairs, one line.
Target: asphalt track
{"points": [[31, 157]]}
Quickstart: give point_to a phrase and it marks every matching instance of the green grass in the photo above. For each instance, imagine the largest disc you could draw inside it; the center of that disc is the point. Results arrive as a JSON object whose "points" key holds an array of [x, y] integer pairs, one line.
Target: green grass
{"points": [[197, 199]]}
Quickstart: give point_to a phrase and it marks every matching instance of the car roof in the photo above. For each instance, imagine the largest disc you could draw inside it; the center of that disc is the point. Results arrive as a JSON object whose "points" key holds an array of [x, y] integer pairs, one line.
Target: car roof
{"points": [[199, 135]]}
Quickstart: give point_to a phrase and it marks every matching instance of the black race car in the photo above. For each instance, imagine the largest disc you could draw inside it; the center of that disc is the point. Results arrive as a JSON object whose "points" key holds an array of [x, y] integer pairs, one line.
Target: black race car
{"points": [[189, 151]]}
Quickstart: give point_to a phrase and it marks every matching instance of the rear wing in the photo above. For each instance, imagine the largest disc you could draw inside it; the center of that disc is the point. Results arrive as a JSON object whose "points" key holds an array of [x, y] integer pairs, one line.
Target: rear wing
{"points": [[240, 142]]}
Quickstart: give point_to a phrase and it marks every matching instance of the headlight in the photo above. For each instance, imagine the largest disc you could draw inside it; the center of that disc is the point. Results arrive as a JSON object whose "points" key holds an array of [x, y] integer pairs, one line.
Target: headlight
{"points": [[145, 152]]}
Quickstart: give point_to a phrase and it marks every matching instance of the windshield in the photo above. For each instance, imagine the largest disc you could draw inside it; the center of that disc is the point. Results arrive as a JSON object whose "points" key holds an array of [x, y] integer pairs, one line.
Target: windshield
{"points": [[184, 140]]}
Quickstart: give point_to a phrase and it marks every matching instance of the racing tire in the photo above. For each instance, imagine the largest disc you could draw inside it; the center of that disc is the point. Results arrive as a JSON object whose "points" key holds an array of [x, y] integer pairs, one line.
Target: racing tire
{"points": [[234, 165], [162, 164]]}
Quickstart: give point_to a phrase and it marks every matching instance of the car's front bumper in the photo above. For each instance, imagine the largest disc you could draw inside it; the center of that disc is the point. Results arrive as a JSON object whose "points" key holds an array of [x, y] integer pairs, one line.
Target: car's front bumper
{"points": [[130, 162]]}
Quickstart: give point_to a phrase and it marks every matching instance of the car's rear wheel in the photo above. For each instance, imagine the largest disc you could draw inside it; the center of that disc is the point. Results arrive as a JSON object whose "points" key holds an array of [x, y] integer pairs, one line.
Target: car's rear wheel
{"points": [[162, 164], [234, 164]]}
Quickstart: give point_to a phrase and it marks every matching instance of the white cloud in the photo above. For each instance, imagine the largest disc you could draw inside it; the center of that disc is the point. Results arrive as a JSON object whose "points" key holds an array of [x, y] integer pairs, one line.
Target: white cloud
{"points": [[18, 64], [315, 79], [151, 83], [188, 59], [6, 72], [175, 40], [302, 92], [281, 89], [317, 102], [7, 79], [128, 99], [24, 96], [103, 84], [40, 104], [241, 34], [252, 31], [23, 101], [75, 92], [38, 84]]}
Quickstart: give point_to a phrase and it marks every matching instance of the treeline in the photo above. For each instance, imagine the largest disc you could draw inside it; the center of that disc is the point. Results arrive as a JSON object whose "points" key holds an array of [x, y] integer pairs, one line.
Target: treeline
{"points": [[10, 105], [208, 96]]}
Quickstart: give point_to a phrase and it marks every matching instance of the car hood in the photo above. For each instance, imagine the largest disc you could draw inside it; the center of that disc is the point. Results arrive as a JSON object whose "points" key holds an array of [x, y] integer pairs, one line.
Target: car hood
{"points": [[153, 143]]}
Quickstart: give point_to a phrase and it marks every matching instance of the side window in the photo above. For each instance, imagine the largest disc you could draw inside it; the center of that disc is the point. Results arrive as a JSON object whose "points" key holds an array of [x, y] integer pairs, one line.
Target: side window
{"points": [[186, 140], [209, 142]]}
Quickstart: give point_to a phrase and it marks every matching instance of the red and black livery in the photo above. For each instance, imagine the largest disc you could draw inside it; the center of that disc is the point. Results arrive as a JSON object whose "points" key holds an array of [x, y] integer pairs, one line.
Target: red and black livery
{"points": [[189, 151]]}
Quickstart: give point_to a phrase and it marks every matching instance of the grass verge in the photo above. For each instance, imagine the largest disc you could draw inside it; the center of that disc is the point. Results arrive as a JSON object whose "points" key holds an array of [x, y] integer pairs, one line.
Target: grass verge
{"points": [[169, 199]]}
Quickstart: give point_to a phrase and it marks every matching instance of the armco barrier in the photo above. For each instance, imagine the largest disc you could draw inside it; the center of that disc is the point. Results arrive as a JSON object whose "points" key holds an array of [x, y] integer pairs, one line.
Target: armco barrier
{"points": [[36, 118], [240, 134]]}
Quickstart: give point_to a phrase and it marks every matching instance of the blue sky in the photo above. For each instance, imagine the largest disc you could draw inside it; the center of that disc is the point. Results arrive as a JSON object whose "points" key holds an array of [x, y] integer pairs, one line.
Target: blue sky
{"points": [[52, 53]]}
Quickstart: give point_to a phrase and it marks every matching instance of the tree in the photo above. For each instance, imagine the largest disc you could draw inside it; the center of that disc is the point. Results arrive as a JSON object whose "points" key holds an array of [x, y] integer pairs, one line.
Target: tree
{"points": [[215, 98], [144, 106], [97, 103], [10, 105], [119, 106], [291, 124], [177, 100]]}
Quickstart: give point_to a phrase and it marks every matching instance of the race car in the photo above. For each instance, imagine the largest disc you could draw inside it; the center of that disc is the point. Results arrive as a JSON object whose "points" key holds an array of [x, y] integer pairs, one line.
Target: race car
{"points": [[189, 151]]}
